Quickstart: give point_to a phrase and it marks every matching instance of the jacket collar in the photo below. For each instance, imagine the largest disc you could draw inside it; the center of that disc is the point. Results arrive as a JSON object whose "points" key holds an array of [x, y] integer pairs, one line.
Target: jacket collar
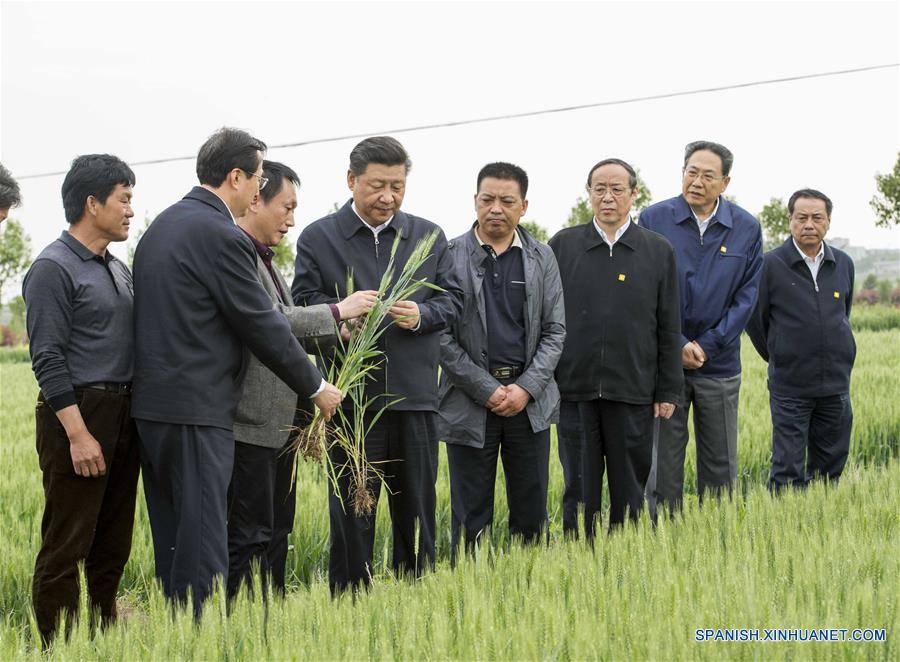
{"points": [[210, 198], [350, 223], [591, 238], [790, 251], [684, 213]]}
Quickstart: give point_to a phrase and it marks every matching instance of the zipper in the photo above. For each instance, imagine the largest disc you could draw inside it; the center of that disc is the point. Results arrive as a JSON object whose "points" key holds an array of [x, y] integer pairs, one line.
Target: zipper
{"points": [[376, 249]]}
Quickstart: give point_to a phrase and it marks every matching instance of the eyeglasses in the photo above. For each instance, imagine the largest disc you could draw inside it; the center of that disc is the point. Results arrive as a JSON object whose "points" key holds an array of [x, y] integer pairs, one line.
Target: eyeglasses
{"points": [[615, 191], [262, 180], [707, 177]]}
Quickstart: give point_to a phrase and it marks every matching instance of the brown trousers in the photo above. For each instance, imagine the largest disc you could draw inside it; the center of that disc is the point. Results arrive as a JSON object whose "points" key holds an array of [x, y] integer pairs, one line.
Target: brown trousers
{"points": [[89, 519]]}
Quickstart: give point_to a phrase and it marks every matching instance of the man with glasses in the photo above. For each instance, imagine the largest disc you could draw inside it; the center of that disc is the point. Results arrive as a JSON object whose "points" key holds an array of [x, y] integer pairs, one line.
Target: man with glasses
{"points": [[621, 362], [199, 306], [718, 247]]}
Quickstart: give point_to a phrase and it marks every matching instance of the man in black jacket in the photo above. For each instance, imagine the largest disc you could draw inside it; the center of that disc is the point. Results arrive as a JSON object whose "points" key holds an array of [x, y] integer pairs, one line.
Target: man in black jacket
{"points": [[622, 357], [198, 302], [403, 442], [801, 326]]}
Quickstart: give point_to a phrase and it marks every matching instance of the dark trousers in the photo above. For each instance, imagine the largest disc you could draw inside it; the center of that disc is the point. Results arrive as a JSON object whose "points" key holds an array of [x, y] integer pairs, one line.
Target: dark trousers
{"points": [[810, 438], [473, 474], [570, 446], [715, 404], [619, 435], [403, 446], [261, 507], [186, 470], [85, 519]]}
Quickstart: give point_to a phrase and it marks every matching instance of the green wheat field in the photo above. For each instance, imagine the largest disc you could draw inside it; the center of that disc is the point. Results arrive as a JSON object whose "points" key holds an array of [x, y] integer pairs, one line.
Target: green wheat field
{"points": [[825, 558]]}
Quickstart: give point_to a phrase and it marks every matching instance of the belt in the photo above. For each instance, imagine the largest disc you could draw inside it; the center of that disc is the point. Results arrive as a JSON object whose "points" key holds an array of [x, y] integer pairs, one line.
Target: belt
{"points": [[111, 387], [506, 371]]}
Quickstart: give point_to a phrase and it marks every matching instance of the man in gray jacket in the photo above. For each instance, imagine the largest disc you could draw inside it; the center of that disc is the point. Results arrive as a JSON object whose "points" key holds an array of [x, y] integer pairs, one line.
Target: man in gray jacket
{"points": [[262, 500], [498, 396]]}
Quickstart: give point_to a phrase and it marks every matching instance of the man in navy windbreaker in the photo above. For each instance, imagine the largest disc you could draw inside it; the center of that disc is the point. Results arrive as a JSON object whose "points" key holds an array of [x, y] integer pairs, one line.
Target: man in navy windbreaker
{"points": [[802, 328], [718, 248]]}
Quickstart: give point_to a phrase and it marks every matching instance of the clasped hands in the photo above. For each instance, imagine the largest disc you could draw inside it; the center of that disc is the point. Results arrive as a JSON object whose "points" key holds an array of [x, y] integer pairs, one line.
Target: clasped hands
{"points": [[508, 400], [405, 313]]}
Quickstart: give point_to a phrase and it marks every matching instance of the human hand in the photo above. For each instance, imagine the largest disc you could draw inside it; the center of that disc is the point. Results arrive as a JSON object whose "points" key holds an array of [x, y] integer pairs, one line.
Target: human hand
{"points": [[87, 455], [692, 356], [328, 400], [516, 399], [497, 397], [406, 313], [358, 303], [663, 410]]}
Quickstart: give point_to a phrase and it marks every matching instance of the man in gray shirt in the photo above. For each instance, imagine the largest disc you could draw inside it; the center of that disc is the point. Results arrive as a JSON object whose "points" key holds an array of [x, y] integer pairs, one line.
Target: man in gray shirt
{"points": [[78, 300]]}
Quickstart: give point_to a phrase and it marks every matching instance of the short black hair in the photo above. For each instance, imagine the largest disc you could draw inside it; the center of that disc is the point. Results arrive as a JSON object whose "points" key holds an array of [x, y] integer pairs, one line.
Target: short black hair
{"points": [[632, 173], [719, 150], [809, 193], [503, 170], [225, 150], [276, 173], [379, 149], [10, 196], [92, 175]]}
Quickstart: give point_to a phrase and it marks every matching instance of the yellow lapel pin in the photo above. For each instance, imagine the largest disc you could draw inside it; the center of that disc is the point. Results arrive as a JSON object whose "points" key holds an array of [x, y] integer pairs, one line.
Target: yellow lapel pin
{"points": [[837, 295], [723, 249], [621, 276]]}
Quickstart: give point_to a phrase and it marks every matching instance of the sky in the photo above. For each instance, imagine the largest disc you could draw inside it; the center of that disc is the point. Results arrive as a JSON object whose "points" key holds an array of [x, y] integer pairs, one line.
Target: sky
{"points": [[153, 80]]}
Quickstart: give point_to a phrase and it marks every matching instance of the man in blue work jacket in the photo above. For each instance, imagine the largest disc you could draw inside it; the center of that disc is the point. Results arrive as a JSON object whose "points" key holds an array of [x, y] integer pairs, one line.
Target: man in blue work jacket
{"points": [[718, 248], [801, 327]]}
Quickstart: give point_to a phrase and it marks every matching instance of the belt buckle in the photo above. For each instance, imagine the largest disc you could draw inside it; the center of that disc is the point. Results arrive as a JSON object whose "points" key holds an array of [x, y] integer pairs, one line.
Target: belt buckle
{"points": [[503, 373]]}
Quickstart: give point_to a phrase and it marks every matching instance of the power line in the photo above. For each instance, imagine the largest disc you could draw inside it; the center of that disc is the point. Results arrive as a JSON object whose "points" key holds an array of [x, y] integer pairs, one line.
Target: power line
{"points": [[511, 116]]}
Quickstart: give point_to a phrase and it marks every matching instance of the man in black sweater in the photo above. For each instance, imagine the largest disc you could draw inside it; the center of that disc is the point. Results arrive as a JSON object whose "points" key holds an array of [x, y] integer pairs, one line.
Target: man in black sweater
{"points": [[622, 358], [801, 326], [199, 306], [403, 442]]}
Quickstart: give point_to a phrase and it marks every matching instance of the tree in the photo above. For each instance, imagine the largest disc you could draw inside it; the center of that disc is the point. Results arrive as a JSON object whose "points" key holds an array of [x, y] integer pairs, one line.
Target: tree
{"points": [[284, 259], [776, 222], [536, 230], [581, 211], [871, 282], [886, 203], [16, 307], [15, 252], [135, 238]]}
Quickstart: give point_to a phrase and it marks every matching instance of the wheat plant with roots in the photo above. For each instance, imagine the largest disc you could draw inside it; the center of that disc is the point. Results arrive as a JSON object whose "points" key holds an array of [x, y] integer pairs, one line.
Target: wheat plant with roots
{"points": [[354, 362]]}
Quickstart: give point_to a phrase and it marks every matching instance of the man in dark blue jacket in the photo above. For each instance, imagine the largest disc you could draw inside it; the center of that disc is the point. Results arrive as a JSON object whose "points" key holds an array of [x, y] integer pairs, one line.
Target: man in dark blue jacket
{"points": [[801, 326], [403, 442], [718, 248], [199, 306]]}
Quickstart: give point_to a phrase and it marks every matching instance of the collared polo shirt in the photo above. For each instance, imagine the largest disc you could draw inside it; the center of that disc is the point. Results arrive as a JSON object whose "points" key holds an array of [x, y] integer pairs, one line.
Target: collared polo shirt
{"points": [[79, 316], [504, 303]]}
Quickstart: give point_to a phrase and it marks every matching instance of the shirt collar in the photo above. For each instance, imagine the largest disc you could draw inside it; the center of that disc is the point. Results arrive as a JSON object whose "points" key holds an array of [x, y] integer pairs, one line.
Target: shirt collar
{"points": [[516, 242], [819, 255], [230, 213], [709, 218], [81, 250], [375, 230], [722, 212], [265, 252], [619, 232]]}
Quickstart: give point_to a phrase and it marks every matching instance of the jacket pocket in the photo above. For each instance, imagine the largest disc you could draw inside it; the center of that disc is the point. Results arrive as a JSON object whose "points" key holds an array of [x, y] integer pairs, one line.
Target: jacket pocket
{"points": [[259, 391], [460, 419]]}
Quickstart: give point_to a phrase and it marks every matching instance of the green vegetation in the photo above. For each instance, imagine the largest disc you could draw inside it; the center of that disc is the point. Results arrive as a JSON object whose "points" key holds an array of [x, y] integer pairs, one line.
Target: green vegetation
{"points": [[826, 558]]}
